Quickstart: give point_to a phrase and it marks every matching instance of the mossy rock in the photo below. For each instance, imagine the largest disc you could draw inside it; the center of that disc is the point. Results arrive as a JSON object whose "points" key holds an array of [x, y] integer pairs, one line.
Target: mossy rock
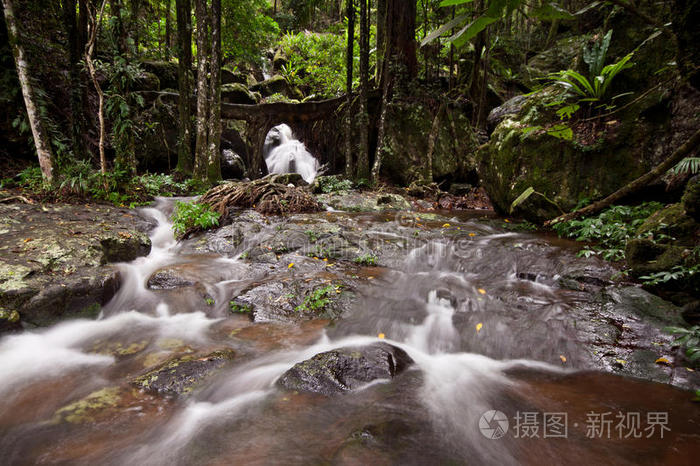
{"points": [[125, 247], [279, 60], [671, 220], [89, 408], [165, 71], [691, 199], [408, 127], [275, 85], [9, 320], [236, 93], [519, 156], [182, 375], [147, 82], [565, 54], [233, 77]]}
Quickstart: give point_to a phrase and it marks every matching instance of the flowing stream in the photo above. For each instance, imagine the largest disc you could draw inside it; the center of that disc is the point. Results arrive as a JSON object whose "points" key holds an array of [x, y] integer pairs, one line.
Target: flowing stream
{"points": [[483, 319]]}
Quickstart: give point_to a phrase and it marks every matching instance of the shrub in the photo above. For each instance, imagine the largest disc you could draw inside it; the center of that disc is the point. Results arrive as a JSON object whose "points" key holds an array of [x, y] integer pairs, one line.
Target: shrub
{"points": [[189, 217]]}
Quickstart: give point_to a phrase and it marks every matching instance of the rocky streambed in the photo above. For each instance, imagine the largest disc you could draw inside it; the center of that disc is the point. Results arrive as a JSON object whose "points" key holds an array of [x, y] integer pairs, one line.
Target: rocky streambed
{"points": [[336, 337]]}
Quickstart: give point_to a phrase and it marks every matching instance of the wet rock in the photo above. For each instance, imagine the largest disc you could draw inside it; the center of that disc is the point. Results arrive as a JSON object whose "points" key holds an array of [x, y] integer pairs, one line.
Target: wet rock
{"points": [[168, 278], [9, 320], [233, 77], [355, 201], [125, 247], [236, 93], [90, 407], [232, 165], [182, 375], [279, 60], [344, 369], [287, 179]]}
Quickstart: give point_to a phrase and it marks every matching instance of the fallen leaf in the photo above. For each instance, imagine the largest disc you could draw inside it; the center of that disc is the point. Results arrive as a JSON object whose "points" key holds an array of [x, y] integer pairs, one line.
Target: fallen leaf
{"points": [[507, 221], [445, 225], [478, 327], [562, 357], [27, 240], [472, 234], [291, 264], [482, 291], [621, 361], [663, 361], [381, 336]]}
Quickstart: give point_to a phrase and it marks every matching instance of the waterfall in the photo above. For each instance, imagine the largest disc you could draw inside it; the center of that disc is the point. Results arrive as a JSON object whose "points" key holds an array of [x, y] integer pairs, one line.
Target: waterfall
{"points": [[285, 154]]}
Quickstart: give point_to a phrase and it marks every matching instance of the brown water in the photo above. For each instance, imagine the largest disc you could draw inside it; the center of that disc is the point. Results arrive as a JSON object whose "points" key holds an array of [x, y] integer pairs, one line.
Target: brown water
{"points": [[483, 317]]}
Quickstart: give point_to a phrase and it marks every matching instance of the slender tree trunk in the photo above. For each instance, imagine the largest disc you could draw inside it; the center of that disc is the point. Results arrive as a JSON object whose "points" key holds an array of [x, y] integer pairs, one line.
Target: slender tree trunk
{"points": [[95, 19], [41, 140], [77, 121], [381, 39], [363, 170], [203, 95], [184, 71], [690, 145], [349, 59], [214, 126], [82, 24]]}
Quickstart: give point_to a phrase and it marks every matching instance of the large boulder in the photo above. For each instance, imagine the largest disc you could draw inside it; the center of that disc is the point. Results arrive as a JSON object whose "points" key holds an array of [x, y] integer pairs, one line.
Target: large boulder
{"points": [[165, 71], [344, 369], [275, 85], [406, 144], [596, 159], [233, 77], [565, 54], [237, 93]]}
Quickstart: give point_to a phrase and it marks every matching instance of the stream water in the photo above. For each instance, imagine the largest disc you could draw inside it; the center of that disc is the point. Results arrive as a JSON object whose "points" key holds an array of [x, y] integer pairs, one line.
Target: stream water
{"points": [[501, 374]]}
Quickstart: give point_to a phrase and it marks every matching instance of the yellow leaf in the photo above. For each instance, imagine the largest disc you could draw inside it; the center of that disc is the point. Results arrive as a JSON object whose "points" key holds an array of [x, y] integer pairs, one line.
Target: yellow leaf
{"points": [[472, 234], [325, 259], [315, 257], [621, 361], [370, 277], [291, 264], [482, 291], [562, 357], [381, 336], [689, 369], [478, 327], [507, 221], [663, 361], [445, 225]]}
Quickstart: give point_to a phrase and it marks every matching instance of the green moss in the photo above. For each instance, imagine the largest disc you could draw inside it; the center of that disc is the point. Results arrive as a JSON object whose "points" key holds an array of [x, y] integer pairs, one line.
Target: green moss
{"points": [[10, 316], [85, 409]]}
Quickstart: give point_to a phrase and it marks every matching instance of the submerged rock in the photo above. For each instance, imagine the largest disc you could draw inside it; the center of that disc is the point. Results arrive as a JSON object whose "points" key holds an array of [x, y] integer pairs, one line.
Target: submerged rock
{"points": [[344, 369], [182, 375]]}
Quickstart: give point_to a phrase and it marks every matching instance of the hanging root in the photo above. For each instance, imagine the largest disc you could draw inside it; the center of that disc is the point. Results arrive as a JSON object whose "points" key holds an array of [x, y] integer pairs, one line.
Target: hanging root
{"points": [[263, 195]]}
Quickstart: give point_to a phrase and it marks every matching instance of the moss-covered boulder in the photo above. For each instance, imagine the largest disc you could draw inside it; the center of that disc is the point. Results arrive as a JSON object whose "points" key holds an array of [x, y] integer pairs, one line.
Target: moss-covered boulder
{"points": [[147, 82], [279, 60], [166, 72], [181, 375], [595, 159], [233, 77], [275, 85], [125, 246], [564, 54], [691, 199], [406, 140], [9, 320], [236, 93]]}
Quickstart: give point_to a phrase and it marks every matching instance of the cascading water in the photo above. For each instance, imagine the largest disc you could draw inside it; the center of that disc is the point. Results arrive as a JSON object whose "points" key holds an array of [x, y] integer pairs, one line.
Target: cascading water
{"points": [[477, 332], [285, 154]]}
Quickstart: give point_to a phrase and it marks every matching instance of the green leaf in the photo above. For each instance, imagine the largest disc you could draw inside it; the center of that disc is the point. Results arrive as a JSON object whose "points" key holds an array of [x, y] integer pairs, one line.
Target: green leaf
{"points": [[442, 29], [561, 132], [471, 30], [550, 11], [454, 2], [522, 198]]}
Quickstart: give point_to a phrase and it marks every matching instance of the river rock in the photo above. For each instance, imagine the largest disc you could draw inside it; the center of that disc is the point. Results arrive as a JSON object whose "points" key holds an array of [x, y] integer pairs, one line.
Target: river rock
{"points": [[125, 247], [181, 375], [344, 369], [236, 93], [275, 85]]}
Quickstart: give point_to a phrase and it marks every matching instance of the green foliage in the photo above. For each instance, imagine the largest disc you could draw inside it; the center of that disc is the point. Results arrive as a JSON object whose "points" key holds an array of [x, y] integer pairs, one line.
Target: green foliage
{"points": [[245, 30], [596, 88], [311, 235], [679, 272], [238, 308], [687, 165], [610, 229], [333, 184], [318, 299], [32, 179], [316, 62], [594, 56], [366, 259], [189, 216], [689, 338]]}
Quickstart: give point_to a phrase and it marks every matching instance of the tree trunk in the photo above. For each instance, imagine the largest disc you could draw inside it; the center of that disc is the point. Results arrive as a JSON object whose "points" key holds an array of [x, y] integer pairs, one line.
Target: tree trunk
{"points": [[690, 145], [399, 53], [135, 12], [76, 120], [203, 95], [381, 40], [363, 170], [41, 140], [349, 59], [184, 74], [94, 22], [206, 160], [214, 126], [120, 39]]}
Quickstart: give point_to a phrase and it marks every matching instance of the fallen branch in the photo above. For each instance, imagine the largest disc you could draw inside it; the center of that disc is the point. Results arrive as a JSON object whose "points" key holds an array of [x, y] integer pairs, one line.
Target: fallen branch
{"points": [[19, 198], [678, 155]]}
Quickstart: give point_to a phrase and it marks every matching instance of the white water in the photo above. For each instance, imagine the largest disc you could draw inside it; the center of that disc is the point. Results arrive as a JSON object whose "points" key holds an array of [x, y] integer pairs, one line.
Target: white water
{"points": [[285, 154]]}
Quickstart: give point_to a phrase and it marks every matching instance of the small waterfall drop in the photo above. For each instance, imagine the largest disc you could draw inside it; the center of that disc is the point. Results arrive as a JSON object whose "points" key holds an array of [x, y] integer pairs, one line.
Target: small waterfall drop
{"points": [[285, 154]]}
